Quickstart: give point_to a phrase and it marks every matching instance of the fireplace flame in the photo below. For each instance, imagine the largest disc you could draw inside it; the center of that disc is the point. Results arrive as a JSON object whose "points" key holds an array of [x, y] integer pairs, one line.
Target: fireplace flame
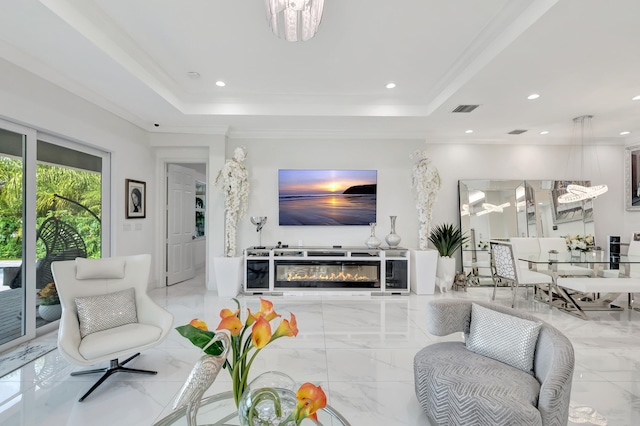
{"points": [[327, 277]]}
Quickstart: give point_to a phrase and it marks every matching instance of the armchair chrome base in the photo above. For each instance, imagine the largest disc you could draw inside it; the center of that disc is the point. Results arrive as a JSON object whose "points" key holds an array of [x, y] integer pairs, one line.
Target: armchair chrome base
{"points": [[114, 367]]}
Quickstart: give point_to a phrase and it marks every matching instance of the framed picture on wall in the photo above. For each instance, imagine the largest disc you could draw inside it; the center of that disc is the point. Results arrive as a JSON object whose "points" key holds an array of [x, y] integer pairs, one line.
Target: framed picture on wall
{"points": [[136, 199], [632, 178]]}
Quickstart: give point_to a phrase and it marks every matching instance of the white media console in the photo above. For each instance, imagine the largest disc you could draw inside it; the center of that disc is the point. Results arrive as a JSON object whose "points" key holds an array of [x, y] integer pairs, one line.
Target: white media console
{"points": [[349, 269]]}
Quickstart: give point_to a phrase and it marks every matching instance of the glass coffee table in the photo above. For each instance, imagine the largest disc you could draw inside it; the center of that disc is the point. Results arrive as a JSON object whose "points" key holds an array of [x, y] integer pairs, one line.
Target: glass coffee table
{"points": [[220, 410]]}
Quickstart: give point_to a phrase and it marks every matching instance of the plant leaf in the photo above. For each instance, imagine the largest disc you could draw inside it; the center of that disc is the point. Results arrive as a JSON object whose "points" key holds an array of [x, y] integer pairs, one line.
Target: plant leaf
{"points": [[200, 338], [447, 238]]}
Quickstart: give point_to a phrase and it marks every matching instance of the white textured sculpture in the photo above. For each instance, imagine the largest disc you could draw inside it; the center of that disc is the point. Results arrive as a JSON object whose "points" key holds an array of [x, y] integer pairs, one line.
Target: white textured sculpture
{"points": [[426, 183], [234, 178]]}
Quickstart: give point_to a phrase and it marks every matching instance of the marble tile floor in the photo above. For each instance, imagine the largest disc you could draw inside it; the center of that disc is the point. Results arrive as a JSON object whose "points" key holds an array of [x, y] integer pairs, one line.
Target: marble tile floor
{"points": [[359, 348]]}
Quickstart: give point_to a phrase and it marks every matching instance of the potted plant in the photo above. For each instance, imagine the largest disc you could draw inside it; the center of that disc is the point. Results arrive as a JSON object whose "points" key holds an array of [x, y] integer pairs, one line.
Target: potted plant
{"points": [[234, 181], [49, 308], [446, 238]]}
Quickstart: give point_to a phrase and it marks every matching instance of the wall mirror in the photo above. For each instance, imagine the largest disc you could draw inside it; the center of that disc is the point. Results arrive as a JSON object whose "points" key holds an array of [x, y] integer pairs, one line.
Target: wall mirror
{"points": [[500, 209]]}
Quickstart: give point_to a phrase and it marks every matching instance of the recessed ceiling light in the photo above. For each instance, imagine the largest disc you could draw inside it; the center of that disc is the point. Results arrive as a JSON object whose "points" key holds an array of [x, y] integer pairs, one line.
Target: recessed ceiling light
{"points": [[193, 74], [636, 98], [626, 132], [544, 132], [220, 83], [533, 96], [390, 85], [469, 131]]}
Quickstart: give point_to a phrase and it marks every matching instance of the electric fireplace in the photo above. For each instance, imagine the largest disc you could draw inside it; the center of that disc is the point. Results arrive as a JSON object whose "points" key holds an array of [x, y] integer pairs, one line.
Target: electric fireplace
{"points": [[327, 274], [357, 269]]}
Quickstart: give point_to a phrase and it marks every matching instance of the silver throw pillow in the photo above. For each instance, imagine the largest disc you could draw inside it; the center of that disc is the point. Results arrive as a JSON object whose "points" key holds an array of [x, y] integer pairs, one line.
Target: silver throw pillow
{"points": [[503, 337], [97, 313]]}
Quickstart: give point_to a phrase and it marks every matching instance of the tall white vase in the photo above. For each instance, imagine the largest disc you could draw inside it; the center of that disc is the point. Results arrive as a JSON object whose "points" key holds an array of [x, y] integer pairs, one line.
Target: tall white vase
{"points": [[424, 264], [446, 273], [228, 271]]}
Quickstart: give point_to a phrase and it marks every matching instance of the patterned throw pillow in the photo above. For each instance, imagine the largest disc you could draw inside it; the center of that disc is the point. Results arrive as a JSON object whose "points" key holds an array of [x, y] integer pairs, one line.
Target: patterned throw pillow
{"points": [[97, 313], [503, 337]]}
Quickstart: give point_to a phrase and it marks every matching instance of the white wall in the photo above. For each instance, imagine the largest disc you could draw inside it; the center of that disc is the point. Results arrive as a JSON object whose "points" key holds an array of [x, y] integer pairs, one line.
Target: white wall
{"points": [[395, 194], [33, 102], [136, 154]]}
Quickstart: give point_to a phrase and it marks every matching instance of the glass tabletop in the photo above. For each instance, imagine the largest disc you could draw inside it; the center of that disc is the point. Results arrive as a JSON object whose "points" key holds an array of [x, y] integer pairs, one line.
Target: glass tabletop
{"points": [[220, 410], [586, 258]]}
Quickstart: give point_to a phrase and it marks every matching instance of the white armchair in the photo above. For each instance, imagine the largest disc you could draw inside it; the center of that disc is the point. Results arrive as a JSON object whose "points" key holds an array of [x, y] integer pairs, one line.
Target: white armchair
{"points": [[107, 313]]}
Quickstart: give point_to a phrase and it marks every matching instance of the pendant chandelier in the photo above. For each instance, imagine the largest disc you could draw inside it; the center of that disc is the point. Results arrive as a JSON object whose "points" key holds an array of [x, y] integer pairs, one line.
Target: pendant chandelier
{"points": [[294, 20], [578, 192]]}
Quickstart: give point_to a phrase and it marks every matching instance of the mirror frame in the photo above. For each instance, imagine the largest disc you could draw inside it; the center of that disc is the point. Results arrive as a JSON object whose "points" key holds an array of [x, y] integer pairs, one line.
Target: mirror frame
{"points": [[629, 187]]}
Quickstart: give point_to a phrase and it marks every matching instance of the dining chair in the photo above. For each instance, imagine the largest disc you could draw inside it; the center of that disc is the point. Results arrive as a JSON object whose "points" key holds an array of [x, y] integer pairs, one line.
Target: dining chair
{"points": [[507, 268]]}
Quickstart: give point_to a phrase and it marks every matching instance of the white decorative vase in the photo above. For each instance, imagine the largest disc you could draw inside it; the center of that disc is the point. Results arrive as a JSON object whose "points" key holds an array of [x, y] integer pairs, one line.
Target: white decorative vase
{"points": [[228, 271], [424, 264], [446, 273], [373, 241], [50, 312], [393, 239]]}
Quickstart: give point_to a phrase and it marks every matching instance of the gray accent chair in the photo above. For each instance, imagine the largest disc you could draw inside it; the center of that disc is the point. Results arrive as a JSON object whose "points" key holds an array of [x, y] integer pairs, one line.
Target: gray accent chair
{"points": [[458, 387]]}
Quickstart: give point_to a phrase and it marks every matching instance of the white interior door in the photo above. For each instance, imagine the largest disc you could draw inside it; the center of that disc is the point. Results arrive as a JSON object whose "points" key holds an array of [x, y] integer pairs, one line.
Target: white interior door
{"points": [[180, 223]]}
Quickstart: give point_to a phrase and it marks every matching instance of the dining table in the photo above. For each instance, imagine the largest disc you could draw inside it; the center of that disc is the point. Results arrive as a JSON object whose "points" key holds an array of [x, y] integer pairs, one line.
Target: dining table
{"points": [[597, 289]]}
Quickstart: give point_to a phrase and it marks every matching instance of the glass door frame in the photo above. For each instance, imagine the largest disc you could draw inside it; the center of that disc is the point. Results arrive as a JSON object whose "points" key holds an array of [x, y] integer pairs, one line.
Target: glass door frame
{"points": [[28, 232]]}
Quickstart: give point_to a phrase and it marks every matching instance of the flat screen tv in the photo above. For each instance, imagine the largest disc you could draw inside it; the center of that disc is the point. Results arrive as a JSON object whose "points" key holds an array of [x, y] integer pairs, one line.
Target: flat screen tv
{"points": [[327, 197]]}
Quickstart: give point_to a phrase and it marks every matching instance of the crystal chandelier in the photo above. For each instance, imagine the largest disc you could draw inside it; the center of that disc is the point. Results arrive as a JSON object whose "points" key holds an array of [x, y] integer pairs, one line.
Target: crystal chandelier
{"points": [[579, 192], [294, 20]]}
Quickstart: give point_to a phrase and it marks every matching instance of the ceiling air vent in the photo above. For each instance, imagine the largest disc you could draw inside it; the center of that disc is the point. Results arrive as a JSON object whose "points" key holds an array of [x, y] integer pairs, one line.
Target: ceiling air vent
{"points": [[516, 132], [465, 108]]}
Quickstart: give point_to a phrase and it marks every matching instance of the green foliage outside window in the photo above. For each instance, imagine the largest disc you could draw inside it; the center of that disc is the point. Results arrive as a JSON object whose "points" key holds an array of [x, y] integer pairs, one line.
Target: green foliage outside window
{"points": [[82, 187]]}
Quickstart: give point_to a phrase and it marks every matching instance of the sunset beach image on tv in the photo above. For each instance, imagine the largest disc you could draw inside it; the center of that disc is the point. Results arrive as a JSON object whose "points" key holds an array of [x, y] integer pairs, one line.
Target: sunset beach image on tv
{"points": [[327, 197]]}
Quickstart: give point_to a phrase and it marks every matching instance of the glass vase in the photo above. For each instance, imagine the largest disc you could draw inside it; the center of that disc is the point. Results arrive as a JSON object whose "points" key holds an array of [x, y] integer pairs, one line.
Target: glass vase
{"points": [[268, 400], [393, 239], [373, 241]]}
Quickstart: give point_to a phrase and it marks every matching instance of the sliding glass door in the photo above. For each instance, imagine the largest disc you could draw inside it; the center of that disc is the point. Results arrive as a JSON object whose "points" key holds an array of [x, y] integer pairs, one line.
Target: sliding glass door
{"points": [[52, 197], [68, 217]]}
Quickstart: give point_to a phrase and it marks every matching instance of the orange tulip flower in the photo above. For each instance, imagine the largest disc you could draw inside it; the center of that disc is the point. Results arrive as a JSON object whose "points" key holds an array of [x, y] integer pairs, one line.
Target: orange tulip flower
{"points": [[311, 398], [228, 312], [266, 311], [266, 307], [261, 333], [231, 323], [199, 324], [286, 328], [251, 318]]}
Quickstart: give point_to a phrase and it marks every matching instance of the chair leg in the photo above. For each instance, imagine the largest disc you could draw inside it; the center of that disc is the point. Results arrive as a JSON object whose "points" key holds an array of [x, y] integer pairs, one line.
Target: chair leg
{"points": [[114, 367], [515, 292], [495, 287]]}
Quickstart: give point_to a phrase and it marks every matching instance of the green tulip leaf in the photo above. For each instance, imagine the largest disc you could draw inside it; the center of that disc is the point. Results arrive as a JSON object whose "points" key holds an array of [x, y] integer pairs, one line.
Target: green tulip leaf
{"points": [[201, 338]]}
